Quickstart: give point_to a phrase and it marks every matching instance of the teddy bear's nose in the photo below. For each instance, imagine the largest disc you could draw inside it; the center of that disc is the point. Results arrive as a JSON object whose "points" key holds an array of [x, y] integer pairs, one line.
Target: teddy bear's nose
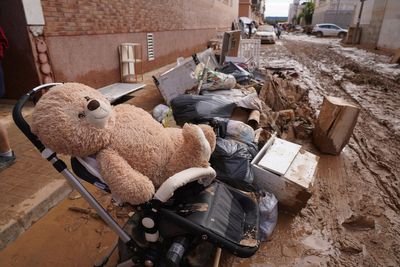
{"points": [[93, 104]]}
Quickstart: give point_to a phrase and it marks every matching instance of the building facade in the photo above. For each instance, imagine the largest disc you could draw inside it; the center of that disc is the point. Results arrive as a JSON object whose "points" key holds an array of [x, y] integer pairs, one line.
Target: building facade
{"points": [[77, 40], [293, 10], [339, 12], [253, 9], [379, 23]]}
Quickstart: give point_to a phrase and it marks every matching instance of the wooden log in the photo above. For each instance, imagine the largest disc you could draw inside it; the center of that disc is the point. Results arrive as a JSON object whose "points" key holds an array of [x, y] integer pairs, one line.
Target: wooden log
{"points": [[396, 57], [335, 125]]}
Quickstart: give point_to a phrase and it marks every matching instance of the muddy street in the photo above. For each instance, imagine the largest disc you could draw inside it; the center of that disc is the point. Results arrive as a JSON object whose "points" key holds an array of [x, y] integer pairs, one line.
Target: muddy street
{"points": [[352, 218]]}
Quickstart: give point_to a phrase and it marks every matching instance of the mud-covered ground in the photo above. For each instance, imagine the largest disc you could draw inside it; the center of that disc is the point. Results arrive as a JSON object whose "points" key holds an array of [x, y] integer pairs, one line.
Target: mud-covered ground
{"points": [[352, 218]]}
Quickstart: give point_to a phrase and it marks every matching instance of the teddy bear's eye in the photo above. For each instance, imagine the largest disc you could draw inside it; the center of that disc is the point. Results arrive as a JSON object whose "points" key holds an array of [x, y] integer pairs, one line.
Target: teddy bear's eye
{"points": [[87, 98], [81, 115]]}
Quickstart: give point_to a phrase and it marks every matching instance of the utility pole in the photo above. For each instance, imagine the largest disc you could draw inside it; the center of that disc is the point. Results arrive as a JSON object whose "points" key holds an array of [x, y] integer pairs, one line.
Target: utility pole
{"points": [[356, 35]]}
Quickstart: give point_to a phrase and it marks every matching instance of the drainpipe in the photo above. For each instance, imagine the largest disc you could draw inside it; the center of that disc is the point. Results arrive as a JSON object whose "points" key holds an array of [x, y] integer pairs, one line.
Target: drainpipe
{"points": [[355, 39], [337, 12]]}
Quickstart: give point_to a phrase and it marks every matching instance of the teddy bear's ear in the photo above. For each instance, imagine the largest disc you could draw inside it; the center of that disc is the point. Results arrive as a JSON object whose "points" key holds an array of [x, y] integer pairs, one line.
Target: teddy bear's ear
{"points": [[58, 122]]}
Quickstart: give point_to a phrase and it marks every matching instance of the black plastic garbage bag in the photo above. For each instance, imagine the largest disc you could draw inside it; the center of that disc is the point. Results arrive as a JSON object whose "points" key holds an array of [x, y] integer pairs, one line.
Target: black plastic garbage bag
{"points": [[241, 75], [200, 108], [231, 160]]}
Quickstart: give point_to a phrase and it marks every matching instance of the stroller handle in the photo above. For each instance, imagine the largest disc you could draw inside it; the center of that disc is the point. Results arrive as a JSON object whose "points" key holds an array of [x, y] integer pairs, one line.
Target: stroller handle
{"points": [[19, 118]]}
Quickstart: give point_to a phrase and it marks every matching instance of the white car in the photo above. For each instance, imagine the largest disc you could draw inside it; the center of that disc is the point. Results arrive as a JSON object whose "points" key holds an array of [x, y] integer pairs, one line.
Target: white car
{"points": [[329, 30], [266, 33], [245, 23]]}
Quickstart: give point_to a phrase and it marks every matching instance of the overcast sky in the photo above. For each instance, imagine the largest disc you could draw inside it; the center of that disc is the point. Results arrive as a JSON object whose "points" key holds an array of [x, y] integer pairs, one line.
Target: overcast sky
{"points": [[277, 8]]}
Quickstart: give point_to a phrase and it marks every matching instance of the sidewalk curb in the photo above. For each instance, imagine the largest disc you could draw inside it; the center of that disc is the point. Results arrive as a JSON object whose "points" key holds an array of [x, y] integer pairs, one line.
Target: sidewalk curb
{"points": [[32, 209]]}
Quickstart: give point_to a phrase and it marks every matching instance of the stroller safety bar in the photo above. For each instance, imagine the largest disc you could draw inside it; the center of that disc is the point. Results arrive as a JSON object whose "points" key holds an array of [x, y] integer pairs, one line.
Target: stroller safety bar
{"points": [[19, 119], [167, 189]]}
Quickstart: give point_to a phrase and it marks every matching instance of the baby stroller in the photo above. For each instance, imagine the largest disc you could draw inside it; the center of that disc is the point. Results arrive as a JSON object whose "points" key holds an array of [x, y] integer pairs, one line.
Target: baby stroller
{"points": [[188, 211]]}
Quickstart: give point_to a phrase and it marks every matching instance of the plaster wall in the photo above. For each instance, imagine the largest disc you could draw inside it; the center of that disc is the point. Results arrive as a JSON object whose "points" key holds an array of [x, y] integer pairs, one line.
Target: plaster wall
{"points": [[389, 37]]}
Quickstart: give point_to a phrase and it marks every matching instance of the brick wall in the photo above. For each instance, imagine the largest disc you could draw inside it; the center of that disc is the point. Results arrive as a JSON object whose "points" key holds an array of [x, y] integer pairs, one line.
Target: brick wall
{"points": [[83, 35], [83, 17]]}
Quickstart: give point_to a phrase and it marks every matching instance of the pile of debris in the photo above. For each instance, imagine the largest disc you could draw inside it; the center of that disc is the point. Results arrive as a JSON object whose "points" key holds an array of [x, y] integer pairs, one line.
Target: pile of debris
{"points": [[249, 109]]}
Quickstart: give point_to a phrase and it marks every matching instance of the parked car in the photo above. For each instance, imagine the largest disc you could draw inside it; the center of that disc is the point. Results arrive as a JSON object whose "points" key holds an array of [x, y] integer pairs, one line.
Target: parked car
{"points": [[245, 23], [298, 28], [329, 30], [266, 33]]}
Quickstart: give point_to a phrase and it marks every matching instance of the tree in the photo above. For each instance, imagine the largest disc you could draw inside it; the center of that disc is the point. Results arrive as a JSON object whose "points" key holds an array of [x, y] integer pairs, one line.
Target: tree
{"points": [[307, 12]]}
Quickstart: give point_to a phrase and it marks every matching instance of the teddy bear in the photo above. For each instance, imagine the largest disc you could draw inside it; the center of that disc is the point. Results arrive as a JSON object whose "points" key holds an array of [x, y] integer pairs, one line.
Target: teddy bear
{"points": [[135, 153]]}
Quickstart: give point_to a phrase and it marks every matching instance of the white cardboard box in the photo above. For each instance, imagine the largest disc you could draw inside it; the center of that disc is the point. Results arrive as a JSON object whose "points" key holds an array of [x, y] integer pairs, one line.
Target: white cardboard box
{"points": [[286, 170]]}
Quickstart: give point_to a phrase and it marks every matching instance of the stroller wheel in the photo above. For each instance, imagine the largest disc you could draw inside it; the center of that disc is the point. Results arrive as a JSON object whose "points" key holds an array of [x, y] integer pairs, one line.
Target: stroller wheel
{"points": [[136, 253], [200, 255]]}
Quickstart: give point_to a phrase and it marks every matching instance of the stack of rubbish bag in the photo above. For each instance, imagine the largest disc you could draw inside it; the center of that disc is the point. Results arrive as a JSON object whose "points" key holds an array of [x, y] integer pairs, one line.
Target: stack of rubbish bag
{"points": [[220, 91], [241, 75]]}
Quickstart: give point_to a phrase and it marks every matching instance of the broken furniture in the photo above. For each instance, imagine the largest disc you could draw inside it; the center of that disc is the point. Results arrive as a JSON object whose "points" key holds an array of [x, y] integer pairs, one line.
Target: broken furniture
{"points": [[230, 45], [177, 81], [286, 170], [115, 91], [335, 125], [207, 56], [130, 62], [250, 49]]}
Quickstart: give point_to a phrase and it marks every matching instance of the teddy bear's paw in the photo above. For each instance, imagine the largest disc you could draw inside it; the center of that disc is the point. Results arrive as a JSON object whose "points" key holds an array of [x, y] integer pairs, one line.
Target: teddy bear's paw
{"points": [[194, 136], [209, 134], [140, 193]]}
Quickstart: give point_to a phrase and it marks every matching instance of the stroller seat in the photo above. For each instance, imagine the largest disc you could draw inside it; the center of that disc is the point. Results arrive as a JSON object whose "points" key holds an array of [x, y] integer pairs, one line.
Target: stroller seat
{"points": [[224, 215], [224, 211]]}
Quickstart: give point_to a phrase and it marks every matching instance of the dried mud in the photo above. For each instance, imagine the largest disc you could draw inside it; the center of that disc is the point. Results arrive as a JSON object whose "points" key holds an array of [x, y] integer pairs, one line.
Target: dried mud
{"points": [[352, 218]]}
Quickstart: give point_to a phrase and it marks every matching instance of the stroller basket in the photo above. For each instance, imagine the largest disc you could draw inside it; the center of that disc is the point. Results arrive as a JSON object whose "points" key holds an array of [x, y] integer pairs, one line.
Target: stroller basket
{"points": [[216, 213]]}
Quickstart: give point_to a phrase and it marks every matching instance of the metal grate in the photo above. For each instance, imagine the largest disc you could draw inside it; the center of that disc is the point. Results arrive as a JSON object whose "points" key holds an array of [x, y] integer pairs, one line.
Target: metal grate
{"points": [[150, 46]]}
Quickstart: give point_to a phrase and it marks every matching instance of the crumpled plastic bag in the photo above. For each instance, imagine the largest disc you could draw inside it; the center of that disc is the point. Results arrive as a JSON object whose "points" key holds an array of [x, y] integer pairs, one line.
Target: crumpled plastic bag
{"points": [[214, 80], [268, 215], [163, 114], [240, 131], [249, 101], [232, 162], [160, 112], [233, 129]]}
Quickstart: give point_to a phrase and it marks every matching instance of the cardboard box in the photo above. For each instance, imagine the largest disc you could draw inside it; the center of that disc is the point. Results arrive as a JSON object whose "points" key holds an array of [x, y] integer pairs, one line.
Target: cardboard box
{"points": [[286, 170]]}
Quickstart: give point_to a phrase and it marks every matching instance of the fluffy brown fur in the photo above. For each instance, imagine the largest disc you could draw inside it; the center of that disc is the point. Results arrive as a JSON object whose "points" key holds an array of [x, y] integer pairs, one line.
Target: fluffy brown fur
{"points": [[136, 154]]}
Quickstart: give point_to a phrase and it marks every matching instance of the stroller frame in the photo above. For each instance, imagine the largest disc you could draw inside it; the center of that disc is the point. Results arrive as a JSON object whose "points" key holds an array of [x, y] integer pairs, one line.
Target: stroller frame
{"points": [[153, 208]]}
